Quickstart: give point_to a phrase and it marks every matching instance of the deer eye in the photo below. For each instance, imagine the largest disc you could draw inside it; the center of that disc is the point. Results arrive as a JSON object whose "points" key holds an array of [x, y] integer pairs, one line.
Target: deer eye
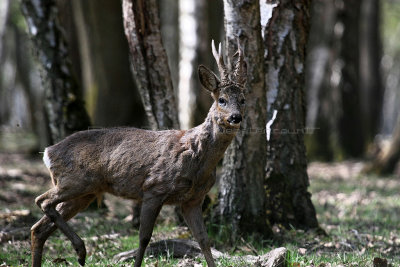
{"points": [[221, 101]]}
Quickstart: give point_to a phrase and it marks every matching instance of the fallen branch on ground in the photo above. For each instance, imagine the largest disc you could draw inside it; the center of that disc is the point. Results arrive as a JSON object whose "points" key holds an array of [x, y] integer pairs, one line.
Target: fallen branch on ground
{"points": [[179, 248]]}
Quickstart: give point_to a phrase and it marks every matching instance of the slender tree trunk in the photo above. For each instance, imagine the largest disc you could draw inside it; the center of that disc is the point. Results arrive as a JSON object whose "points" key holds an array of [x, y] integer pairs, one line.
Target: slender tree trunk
{"points": [[63, 101], [344, 80], [194, 44], [111, 94], [194, 102], [20, 91], [241, 194], [4, 13], [4, 10], [322, 91], [286, 183], [351, 135], [150, 63], [370, 75], [169, 25]]}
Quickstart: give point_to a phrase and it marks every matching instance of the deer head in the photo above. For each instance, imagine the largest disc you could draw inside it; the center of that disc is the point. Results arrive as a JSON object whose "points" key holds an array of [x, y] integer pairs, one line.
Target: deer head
{"points": [[228, 90]]}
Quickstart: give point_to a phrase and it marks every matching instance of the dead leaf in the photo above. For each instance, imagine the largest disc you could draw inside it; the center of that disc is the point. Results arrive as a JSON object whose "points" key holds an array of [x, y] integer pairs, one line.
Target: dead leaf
{"points": [[60, 260], [302, 251]]}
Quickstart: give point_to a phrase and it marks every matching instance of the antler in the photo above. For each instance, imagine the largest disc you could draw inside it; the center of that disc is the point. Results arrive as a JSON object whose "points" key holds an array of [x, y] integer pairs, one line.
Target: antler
{"points": [[240, 73], [223, 71]]}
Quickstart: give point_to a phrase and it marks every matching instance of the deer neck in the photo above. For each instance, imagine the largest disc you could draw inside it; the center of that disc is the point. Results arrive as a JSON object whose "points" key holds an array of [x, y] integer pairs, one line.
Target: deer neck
{"points": [[209, 141]]}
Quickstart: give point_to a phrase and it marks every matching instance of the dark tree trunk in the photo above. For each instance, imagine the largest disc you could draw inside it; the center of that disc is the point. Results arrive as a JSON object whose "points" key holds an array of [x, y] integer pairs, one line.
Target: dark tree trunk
{"points": [[286, 183], [150, 63], [63, 101], [241, 194], [4, 94], [344, 80], [169, 23], [21, 96], [322, 90], [351, 127], [111, 93], [370, 74]]}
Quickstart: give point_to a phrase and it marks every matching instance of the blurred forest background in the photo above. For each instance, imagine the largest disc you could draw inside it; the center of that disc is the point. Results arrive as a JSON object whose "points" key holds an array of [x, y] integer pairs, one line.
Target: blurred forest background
{"points": [[352, 72], [350, 83]]}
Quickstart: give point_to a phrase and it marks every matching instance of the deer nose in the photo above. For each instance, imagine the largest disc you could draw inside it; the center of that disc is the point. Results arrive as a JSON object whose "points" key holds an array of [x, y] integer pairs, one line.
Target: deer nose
{"points": [[235, 118]]}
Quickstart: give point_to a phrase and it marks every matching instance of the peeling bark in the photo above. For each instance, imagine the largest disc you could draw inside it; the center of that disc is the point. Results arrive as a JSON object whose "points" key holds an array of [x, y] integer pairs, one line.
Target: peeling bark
{"points": [[286, 183], [63, 101], [149, 62], [241, 197]]}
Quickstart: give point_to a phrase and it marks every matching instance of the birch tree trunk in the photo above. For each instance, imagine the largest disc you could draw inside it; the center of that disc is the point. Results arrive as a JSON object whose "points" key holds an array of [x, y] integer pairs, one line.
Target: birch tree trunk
{"points": [[200, 21], [150, 63], [241, 195], [63, 101], [286, 183], [193, 28]]}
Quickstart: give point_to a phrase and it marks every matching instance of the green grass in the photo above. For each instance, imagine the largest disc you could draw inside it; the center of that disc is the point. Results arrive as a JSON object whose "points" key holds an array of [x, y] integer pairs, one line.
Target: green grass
{"points": [[361, 216]]}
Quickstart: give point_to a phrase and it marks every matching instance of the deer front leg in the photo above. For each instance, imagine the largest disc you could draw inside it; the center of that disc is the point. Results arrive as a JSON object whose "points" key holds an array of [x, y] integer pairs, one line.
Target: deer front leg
{"points": [[150, 209], [194, 218]]}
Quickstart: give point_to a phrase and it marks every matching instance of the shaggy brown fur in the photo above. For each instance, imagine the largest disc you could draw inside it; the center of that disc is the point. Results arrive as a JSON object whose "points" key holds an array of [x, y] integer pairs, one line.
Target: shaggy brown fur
{"points": [[154, 167]]}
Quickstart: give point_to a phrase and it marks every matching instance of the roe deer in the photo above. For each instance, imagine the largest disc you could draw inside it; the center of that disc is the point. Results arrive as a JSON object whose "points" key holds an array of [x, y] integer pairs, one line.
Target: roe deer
{"points": [[154, 167]]}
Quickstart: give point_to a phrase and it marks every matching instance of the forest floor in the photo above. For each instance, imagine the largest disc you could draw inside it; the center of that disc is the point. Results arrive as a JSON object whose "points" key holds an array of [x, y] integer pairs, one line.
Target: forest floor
{"points": [[360, 214]]}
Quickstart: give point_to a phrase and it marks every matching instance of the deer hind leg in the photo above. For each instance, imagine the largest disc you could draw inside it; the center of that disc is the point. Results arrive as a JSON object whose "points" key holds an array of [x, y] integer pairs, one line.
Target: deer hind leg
{"points": [[41, 230], [150, 210], [48, 202], [45, 227]]}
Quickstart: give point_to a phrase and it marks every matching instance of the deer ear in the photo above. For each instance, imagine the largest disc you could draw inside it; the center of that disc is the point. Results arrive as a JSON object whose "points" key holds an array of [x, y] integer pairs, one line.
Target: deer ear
{"points": [[208, 79]]}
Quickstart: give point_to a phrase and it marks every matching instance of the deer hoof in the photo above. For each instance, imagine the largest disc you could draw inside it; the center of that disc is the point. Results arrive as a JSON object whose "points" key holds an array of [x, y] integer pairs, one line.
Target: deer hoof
{"points": [[81, 261]]}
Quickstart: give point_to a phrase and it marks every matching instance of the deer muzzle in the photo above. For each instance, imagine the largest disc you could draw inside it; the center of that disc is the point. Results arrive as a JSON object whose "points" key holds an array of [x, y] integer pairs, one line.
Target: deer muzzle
{"points": [[235, 119]]}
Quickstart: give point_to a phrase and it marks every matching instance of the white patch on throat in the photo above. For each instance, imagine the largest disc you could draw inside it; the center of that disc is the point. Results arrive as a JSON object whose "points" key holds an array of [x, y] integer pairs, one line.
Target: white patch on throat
{"points": [[46, 159]]}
